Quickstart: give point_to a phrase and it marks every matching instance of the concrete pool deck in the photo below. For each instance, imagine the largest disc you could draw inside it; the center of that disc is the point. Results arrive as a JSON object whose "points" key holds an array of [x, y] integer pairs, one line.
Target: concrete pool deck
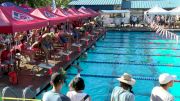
{"points": [[39, 82]]}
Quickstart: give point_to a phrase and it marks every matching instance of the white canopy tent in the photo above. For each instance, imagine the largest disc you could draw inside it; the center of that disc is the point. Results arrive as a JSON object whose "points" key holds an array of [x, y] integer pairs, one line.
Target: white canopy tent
{"points": [[157, 10], [175, 11]]}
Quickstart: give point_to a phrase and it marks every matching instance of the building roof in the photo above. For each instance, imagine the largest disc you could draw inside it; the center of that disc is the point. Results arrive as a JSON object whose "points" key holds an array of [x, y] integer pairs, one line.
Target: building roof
{"points": [[115, 11], [95, 2], [145, 4]]}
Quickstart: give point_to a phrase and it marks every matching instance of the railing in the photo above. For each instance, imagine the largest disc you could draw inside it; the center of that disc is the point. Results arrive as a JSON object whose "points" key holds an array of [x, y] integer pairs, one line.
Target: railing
{"points": [[4, 91], [28, 93]]}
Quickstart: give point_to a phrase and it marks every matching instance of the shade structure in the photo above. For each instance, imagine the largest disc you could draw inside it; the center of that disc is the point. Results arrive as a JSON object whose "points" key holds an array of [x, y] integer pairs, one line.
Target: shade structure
{"points": [[157, 10], [85, 11], [14, 20], [10, 4], [175, 11], [60, 12], [76, 13], [44, 13], [69, 14], [93, 12]]}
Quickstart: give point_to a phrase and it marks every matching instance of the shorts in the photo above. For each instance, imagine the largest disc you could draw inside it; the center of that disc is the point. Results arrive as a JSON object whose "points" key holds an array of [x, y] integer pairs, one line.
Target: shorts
{"points": [[76, 35], [63, 39]]}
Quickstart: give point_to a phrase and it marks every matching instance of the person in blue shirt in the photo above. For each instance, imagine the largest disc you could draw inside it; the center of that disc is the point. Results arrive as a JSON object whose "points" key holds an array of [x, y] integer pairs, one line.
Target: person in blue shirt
{"points": [[124, 91]]}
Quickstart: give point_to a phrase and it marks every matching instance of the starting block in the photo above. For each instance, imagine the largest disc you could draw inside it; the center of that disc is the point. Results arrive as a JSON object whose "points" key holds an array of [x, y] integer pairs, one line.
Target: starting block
{"points": [[86, 41], [67, 55], [78, 47]]}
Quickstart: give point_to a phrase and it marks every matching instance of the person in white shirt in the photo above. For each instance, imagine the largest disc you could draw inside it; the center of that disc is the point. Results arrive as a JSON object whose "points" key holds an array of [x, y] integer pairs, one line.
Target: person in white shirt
{"points": [[160, 93], [76, 93], [57, 81]]}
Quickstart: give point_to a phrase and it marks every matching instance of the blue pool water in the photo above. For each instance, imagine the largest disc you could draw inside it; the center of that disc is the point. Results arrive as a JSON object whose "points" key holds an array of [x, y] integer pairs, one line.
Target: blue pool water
{"points": [[142, 54]]}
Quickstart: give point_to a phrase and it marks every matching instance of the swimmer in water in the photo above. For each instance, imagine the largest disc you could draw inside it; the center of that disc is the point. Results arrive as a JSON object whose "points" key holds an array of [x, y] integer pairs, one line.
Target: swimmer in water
{"points": [[78, 67]]}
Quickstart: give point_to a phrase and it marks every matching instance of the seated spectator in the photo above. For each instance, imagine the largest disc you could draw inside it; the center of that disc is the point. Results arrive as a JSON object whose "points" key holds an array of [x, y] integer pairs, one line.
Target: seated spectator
{"points": [[160, 93], [57, 81], [77, 93], [7, 57], [26, 50], [124, 92]]}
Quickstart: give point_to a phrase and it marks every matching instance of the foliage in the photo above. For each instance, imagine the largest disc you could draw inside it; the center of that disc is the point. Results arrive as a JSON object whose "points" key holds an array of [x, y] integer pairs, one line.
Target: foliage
{"points": [[40, 3]]}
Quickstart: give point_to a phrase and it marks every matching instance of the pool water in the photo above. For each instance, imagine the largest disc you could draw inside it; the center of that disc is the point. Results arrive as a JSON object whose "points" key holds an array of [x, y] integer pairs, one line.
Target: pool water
{"points": [[142, 54]]}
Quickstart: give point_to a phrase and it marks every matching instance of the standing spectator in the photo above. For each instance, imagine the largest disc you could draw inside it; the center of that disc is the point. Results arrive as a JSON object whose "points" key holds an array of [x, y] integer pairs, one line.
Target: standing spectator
{"points": [[76, 93], [122, 22], [131, 22], [57, 81], [124, 92], [160, 93]]}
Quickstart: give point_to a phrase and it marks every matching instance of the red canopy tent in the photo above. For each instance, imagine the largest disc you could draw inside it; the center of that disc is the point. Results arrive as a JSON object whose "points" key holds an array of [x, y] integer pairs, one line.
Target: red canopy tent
{"points": [[70, 15], [85, 11], [76, 13], [93, 12], [14, 20], [44, 13], [60, 12]]}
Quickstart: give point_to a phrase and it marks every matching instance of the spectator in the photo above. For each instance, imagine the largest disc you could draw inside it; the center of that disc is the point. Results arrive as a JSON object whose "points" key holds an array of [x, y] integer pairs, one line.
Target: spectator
{"points": [[160, 93], [77, 93], [26, 50], [124, 92], [57, 81]]}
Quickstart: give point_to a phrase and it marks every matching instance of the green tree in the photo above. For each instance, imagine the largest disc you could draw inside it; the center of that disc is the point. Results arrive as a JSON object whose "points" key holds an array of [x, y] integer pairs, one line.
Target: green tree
{"points": [[62, 3], [40, 3]]}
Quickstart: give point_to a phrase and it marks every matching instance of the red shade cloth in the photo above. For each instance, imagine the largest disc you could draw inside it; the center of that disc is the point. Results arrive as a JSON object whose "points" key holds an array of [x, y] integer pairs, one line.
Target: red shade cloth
{"points": [[75, 12], [5, 55], [14, 20], [93, 12], [86, 12], [59, 12], [70, 15], [44, 13]]}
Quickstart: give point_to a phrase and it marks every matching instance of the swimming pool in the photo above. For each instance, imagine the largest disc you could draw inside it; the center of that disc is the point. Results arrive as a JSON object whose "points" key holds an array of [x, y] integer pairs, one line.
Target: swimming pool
{"points": [[145, 55]]}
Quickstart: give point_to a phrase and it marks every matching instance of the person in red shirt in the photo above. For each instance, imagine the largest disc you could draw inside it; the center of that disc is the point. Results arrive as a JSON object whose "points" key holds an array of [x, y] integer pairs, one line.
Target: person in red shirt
{"points": [[26, 51], [6, 56]]}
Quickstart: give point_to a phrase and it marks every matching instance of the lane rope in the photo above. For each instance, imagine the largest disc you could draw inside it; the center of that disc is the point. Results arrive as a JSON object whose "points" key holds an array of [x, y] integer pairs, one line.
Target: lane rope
{"points": [[137, 47], [123, 63], [135, 42], [132, 54], [111, 76], [111, 38]]}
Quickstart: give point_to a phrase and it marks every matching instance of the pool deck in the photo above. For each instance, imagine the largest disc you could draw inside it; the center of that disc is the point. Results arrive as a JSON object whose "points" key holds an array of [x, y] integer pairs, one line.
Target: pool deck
{"points": [[27, 78]]}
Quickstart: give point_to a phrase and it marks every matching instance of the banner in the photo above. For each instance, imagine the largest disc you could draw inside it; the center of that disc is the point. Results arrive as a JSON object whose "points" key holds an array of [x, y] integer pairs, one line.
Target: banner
{"points": [[20, 16], [49, 15]]}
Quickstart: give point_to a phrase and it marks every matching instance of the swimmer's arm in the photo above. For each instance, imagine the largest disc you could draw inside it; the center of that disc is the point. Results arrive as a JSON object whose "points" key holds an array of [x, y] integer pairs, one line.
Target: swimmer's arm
{"points": [[71, 82]]}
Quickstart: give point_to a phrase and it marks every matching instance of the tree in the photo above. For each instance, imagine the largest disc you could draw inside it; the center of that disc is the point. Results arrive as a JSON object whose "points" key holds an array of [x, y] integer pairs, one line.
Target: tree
{"points": [[40, 3], [62, 3]]}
